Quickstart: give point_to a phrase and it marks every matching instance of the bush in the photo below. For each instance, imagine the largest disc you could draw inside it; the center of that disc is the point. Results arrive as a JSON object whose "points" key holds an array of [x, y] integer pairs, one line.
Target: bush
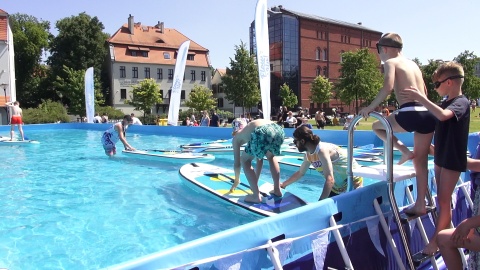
{"points": [[47, 112], [112, 113]]}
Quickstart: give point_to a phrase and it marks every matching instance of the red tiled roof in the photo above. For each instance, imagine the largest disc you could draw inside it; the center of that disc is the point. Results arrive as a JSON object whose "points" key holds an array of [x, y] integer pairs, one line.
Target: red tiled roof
{"points": [[151, 39]]}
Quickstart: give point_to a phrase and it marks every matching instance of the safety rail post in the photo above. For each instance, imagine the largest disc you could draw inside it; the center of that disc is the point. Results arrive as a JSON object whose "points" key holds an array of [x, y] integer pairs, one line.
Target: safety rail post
{"points": [[388, 147]]}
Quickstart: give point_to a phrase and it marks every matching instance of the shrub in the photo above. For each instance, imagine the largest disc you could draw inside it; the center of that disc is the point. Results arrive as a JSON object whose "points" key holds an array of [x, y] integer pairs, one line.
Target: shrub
{"points": [[47, 112]]}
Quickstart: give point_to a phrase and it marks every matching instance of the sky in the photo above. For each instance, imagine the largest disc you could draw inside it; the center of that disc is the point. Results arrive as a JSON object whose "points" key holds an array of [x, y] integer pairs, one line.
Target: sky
{"points": [[430, 29]]}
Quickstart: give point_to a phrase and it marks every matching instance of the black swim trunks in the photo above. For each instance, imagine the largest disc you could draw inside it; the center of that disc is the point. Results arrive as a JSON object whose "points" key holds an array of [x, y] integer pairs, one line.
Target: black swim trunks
{"points": [[414, 117]]}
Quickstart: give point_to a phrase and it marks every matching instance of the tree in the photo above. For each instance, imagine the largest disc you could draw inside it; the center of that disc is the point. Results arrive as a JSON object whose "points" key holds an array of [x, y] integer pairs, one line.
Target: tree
{"points": [[427, 72], [145, 95], [30, 40], [321, 90], [289, 98], [71, 89], [471, 83], [361, 78], [80, 44], [241, 79], [201, 98]]}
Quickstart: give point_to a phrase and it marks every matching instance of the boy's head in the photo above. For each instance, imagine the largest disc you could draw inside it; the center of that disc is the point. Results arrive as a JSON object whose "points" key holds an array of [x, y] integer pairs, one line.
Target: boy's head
{"points": [[237, 125], [450, 73], [16, 103], [390, 40]]}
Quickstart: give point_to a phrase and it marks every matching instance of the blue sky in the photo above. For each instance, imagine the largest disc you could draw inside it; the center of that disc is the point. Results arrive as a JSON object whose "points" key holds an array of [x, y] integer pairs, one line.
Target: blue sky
{"points": [[430, 29]]}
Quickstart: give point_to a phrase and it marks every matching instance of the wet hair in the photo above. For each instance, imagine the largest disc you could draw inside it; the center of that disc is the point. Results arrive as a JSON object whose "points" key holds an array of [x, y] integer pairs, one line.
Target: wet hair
{"points": [[448, 69], [128, 118], [237, 125], [306, 134], [391, 40]]}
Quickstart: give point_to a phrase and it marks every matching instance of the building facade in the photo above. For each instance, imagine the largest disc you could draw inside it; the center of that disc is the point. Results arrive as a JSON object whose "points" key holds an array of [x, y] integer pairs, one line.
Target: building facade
{"points": [[138, 52], [304, 46], [7, 68]]}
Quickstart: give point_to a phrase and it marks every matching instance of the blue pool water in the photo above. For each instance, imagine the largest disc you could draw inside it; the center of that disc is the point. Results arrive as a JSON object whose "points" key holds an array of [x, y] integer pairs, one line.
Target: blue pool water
{"points": [[65, 205]]}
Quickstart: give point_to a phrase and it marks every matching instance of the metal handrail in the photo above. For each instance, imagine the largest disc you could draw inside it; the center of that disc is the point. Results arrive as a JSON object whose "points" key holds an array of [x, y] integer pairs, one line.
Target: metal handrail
{"points": [[388, 150]]}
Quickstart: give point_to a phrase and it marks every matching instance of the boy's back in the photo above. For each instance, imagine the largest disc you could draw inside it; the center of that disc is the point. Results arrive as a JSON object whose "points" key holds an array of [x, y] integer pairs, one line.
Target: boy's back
{"points": [[406, 74]]}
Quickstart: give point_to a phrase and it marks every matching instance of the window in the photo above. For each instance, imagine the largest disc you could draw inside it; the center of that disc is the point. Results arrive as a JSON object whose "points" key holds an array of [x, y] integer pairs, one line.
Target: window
{"points": [[161, 93], [123, 93], [144, 54], [325, 72], [133, 53], [159, 73], [204, 76], [170, 74], [123, 72], [190, 57], [182, 95], [318, 71], [147, 73], [134, 72], [220, 103], [166, 55], [318, 53], [214, 89], [193, 75], [325, 54]]}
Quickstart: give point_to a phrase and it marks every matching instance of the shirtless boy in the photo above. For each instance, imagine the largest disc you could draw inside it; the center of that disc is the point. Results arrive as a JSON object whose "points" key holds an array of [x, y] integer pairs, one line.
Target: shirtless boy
{"points": [[402, 73], [263, 138], [16, 118]]}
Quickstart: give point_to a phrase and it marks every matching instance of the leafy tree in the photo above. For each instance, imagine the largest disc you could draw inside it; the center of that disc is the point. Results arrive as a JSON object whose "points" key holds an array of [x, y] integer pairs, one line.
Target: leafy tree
{"points": [[201, 98], [471, 83], [427, 72], [360, 79], [241, 79], [111, 112], [80, 44], [47, 112], [289, 98], [145, 95], [321, 90], [71, 88], [30, 40]]}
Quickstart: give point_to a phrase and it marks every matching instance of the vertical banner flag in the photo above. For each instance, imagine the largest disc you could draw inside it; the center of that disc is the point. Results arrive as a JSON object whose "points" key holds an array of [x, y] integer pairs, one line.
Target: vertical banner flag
{"points": [[177, 83], [89, 95], [263, 55], [11, 67]]}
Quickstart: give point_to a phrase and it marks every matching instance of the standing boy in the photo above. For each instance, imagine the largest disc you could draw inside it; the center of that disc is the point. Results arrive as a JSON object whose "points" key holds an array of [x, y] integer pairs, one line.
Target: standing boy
{"points": [[451, 136], [16, 118], [263, 138], [402, 73]]}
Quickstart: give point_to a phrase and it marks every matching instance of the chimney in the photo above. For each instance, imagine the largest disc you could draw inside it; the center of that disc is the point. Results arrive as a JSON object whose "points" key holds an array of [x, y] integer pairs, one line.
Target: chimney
{"points": [[359, 23], [162, 27], [130, 24], [159, 26]]}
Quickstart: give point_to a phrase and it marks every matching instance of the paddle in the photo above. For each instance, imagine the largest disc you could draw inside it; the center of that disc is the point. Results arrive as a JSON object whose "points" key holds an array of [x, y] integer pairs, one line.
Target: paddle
{"points": [[214, 174]]}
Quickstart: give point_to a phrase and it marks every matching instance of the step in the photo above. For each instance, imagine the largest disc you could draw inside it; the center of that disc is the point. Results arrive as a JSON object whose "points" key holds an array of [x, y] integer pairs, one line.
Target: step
{"points": [[418, 258], [379, 172], [404, 218]]}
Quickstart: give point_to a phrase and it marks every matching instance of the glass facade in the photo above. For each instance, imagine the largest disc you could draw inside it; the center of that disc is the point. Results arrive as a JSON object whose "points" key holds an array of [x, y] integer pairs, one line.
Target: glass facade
{"points": [[284, 54]]}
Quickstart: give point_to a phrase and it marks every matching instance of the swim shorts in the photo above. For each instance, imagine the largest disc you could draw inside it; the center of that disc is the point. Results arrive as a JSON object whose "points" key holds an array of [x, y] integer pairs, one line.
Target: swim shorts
{"points": [[265, 138], [16, 120], [414, 117]]}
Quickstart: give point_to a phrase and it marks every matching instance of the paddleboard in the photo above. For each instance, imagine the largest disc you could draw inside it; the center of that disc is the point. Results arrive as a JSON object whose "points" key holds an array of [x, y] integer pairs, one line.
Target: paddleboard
{"points": [[170, 156], [25, 142], [292, 150], [294, 162], [216, 143], [218, 181]]}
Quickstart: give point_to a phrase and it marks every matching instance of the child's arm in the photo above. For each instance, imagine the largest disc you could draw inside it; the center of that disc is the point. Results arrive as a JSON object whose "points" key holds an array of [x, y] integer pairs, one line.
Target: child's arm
{"points": [[437, 111], [388, 85]]}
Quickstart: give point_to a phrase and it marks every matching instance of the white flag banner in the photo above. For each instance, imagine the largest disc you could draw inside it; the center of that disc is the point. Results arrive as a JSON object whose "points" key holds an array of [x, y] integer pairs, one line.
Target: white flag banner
{"points": [[263, 55], [89, 95], [373, 231], [11, 67], [177, 83]]}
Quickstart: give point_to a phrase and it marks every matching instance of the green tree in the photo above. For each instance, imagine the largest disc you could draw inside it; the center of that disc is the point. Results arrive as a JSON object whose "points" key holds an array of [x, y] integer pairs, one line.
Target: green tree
{"points": [[427, 72], [145, 95], [471, 83], [321, 90], [241, 79], [80, 44], [201, 98], [289, 98], [30, 40], [360, 79], [71, 88], [47, 112]]}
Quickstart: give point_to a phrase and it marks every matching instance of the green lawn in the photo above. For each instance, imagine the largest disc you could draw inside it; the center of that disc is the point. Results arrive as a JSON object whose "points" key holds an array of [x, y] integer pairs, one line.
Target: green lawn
{"points": [[367, 125]]}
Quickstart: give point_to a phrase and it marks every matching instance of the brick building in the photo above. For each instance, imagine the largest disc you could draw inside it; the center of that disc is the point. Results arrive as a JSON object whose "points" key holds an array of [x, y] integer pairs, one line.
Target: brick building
{"points": [[303, 46]]}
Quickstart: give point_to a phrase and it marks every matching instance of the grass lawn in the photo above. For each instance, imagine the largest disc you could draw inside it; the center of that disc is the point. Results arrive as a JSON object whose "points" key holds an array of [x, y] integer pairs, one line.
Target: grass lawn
{"points": [[367, 125]]}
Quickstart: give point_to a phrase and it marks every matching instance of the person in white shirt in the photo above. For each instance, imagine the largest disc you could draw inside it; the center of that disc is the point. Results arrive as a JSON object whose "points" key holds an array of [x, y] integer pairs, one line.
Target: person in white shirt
{"points": [[97, 118], [135, 120]]}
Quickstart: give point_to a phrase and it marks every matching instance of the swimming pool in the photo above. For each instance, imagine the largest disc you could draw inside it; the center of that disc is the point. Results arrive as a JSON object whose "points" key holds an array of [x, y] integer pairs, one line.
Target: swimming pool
{"points": [[68, 206]]}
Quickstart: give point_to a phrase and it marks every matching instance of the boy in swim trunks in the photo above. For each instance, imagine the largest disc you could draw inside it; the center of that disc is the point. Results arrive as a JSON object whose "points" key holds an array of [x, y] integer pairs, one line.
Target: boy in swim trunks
{"points": [[451, 137], [402, 73], [326, 158], [115, 133], [16, 118], [263, 138]]}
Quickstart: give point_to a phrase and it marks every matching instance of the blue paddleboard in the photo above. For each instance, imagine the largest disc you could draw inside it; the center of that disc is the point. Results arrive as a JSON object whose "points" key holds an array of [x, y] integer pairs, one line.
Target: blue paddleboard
{"points": [[218, 181]]}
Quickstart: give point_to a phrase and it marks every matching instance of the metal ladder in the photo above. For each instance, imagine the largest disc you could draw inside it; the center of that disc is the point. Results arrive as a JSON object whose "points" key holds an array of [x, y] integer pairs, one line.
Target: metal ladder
{"points": [[389, 178]]}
